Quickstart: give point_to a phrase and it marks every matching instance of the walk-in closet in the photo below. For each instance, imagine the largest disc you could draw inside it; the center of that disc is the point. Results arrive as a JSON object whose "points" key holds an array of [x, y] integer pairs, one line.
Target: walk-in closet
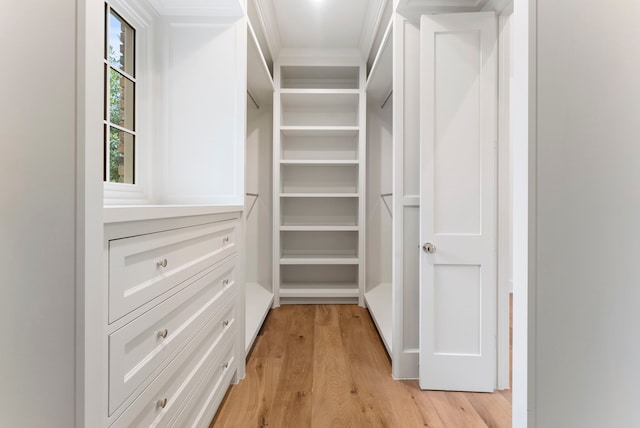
{"points": [[282, 195]]}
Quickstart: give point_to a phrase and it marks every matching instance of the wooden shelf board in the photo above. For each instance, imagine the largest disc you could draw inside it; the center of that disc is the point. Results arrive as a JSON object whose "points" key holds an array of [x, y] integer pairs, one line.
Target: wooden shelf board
{"points": [[320, 100], [378, 300], [332, 289], [319, 228], [311, 162], [258, 302], [318, 260], [320, 131], [318, 195], [319, 91]]}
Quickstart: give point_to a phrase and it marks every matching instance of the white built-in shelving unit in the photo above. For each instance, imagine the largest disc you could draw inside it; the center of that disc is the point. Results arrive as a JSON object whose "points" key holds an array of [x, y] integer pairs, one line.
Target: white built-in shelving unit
{"points": [[258, 210], [319, 181]]}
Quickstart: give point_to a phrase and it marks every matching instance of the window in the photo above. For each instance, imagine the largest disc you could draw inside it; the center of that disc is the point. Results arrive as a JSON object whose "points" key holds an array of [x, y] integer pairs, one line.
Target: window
{"points": [[120, 99]]}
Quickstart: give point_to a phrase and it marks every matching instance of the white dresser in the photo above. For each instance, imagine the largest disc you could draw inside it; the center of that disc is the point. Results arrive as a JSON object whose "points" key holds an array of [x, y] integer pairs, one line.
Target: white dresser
{"points": [[173, 318]]}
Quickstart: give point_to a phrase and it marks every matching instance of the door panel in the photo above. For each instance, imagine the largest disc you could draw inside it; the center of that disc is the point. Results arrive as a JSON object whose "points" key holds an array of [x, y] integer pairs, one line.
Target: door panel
{"points": [[458, 202]]}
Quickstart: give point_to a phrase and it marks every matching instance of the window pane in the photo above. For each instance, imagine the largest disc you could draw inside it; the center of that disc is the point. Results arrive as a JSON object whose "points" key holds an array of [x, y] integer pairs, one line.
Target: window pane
{"points": [[121, 156], [121, 44], [121, 100]]}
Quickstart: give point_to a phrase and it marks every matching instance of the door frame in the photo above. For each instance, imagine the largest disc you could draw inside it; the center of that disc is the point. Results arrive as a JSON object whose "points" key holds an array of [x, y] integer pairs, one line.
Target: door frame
{"points": [[505, 222], [524, 120]]}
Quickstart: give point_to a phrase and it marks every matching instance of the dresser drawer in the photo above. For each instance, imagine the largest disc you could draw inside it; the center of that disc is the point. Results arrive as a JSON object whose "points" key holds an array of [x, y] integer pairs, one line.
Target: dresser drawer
{"points": [[143, 267], [203, 403], [160, 402], [140, 347]]}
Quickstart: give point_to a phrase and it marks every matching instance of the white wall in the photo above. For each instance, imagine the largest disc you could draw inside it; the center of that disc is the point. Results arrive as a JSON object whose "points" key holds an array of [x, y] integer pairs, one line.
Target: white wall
{"points": [[379, 163], [37, 213], [587, 301], [259, 227]]}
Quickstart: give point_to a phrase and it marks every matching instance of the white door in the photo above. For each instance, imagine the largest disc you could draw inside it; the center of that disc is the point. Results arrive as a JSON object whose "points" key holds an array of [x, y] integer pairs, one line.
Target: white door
{"points": [[458, 214]]}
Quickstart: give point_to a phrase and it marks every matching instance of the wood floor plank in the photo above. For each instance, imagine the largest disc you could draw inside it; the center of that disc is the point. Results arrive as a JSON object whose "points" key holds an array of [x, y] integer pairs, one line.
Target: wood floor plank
{"points": [[455, 410], [292, 398], [324, 366], [332, 386], [494, 410], [369, 368]]}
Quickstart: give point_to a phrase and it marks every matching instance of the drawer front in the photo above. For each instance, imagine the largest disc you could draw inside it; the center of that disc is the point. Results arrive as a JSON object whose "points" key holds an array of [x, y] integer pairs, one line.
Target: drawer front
{"points": [[160, 402], [143, 267], [142, 346], [203, 403]]}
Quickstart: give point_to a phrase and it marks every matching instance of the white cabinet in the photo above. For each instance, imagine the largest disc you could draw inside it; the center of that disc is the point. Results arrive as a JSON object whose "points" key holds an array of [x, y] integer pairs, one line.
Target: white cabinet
{"points": [[143, 267], [319, 178], [178, 345]]}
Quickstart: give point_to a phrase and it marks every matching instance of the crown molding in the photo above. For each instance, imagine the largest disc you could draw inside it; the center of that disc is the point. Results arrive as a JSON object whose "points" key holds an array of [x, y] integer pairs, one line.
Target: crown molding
{"points": [[412, 9], [231, 8], [371, 26], [269, 24]]}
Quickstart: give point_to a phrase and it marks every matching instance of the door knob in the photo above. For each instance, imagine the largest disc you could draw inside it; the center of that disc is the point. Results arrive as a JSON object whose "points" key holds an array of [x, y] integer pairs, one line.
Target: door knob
{"points": [[429, 248]]}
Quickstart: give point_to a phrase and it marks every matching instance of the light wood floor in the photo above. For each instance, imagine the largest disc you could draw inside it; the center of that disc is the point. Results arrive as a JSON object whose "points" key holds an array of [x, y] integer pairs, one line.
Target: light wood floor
{"points": [[324, 366]]}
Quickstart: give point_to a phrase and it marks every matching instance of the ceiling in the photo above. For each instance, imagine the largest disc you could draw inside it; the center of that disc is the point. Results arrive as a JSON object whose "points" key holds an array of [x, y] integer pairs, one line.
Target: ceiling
{"points": [[345, 24], [320, 24]]}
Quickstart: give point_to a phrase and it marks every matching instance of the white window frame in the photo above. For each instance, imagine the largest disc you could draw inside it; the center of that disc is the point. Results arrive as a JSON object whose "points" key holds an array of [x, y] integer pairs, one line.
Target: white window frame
{"points": [[141, 19]]}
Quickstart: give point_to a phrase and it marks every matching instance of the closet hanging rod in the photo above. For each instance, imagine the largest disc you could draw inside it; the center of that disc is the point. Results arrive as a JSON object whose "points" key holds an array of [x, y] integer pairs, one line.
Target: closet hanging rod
{"points": [[383, 195], [387, 99], [253, 204], [253, 99]]}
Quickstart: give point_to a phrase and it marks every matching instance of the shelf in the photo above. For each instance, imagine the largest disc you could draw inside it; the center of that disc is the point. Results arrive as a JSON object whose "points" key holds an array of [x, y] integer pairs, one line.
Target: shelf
{"points": [[258, 303], [319, 131], [309, 212], [379, 303], [319, 149], [318, 162], [320, 77], [318, 195], [319, 109], [259, 80], [318, 228], [320, 260], [299, 178], [315, 100], [319, 290], [313, 91], [325, 148], [380, 81]]}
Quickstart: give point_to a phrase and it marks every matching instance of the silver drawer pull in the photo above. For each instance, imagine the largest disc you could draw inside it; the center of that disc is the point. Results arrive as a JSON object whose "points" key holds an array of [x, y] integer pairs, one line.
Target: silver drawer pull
{"points": [[225, 365], [163, 333], [225, 282], [225, 240], [225, 323], [162, 263], [162, 403]]}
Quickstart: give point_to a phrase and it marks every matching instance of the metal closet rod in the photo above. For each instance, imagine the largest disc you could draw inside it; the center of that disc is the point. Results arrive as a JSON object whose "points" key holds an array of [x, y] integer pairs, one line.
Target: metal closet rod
{"points": [[386, 99], [383, 195], [254, 202], [253, 99]]}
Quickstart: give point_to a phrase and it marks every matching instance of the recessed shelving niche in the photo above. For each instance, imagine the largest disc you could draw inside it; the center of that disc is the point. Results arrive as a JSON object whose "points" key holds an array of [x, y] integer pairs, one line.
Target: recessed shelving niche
{"points": [[319, 179], [319, 77], [319, 108]]}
